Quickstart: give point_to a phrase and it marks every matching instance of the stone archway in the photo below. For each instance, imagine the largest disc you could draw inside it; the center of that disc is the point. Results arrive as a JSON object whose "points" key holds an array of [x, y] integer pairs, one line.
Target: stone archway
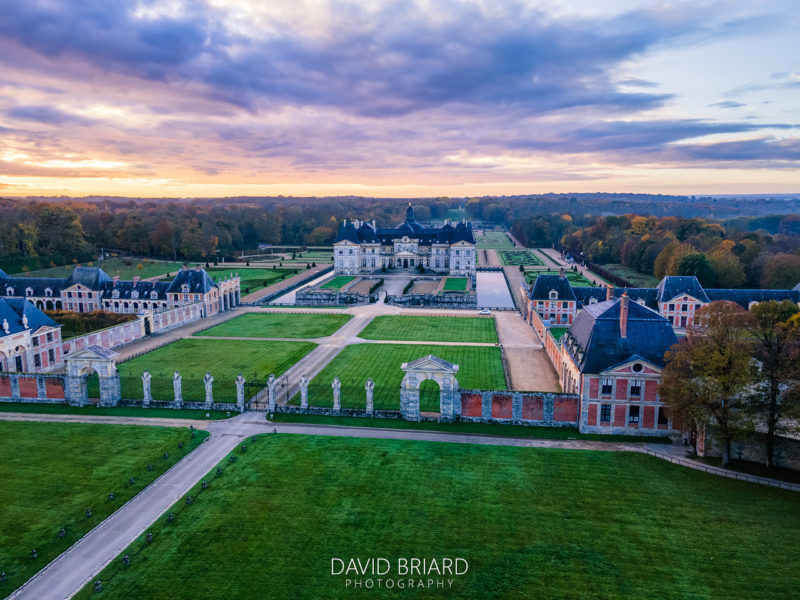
{"points": [[422, 369], [93, 359]]}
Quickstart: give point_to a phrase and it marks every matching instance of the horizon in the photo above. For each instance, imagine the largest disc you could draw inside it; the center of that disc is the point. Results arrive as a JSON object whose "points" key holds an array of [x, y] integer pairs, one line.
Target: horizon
{"points": [[391, 99]]}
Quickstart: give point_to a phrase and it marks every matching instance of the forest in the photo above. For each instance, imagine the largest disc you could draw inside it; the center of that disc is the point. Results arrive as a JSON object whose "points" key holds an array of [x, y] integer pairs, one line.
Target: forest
{"points": [[747, 249]]}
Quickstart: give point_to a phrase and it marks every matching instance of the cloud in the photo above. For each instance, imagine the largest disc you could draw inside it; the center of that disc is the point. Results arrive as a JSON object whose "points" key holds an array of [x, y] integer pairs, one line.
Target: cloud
{"points": [[43, 114], [727, 104]]}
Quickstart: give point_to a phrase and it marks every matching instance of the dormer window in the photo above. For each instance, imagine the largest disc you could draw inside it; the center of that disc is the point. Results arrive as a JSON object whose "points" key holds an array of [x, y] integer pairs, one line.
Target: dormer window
{"points": [[48, 292], [553, 295], [115, 294], [29, 291], [185, 287], [134, 295], [592, 300], [154, 295], [9, 291]]}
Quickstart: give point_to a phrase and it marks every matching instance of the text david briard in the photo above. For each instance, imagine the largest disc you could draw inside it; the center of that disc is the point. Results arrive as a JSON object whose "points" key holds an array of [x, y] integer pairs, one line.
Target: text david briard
{"points": [[377, 572]]}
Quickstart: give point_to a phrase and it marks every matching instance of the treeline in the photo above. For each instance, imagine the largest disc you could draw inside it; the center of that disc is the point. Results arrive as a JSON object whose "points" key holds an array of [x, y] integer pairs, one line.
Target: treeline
{"points": [[717, 254]]}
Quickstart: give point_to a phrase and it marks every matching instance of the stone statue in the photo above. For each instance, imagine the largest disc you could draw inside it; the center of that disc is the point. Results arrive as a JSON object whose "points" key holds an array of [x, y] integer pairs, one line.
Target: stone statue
{"points": [[369, 386], [304, 391], [147, 395], [240, 392], [208, 381], [337, 386], [176, 387]]}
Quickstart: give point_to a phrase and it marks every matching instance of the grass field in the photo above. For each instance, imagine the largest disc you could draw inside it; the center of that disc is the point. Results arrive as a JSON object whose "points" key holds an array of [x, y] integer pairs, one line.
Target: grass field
{"points": [[575, 279], [124, 267], [516, 258], [531, 522], [455, 284], [252, 279], [337, 282], [115, 411], [521, 431], [494, 239], [636, 278], [558, 332], [52, 472], [193, 357], [279, 325], [431, 329], [480, 368]]}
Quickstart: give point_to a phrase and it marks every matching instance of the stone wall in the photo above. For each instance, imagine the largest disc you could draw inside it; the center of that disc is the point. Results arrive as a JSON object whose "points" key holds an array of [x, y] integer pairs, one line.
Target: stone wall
{"points": [[320, 297], [33, 388], [445, 300], [753, 449]]}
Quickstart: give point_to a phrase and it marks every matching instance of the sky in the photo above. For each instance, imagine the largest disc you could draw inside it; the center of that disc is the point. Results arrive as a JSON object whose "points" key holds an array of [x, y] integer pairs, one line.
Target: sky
{"points": [[398, 98]]}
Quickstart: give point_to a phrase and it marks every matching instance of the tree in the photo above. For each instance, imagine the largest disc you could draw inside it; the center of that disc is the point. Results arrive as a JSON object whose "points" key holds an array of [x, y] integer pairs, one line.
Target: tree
{"points": [[776, 348], [781, 271], [706, 378], [728, 269], [696, 264]]}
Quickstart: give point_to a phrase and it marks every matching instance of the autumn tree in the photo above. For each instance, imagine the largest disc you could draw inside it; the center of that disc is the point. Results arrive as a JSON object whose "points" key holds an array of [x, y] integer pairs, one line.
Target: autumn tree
{"points": [[777, 341], [708, 377]]}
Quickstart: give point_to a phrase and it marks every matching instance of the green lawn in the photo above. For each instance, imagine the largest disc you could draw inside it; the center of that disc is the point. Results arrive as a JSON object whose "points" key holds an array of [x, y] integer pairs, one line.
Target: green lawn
{"points": [[431, 329], [522, 431], [516, 258], [279, 325], [253, 279], [52, 472], [494, 239], [480, 368], [455, 284], [575, 279], [116, 411], [558, 332], [126, 268], [531, 522], [225, 359], [337, 282], [636, 278]]}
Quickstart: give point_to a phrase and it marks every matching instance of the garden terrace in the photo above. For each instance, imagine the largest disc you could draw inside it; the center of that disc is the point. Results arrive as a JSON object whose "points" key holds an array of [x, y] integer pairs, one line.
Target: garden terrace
{"points": [[337, 283], [279, 325], [455, 284], [516, 258], [76, 324], [254, 279], [53, 472], [494, 239], [195, 356], [575, 279], [431, 329], [576, 516], [481, 367]]}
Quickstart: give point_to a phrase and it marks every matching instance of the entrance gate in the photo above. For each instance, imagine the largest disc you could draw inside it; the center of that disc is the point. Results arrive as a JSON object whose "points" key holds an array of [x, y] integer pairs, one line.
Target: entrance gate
{"points": [[443, 373]]}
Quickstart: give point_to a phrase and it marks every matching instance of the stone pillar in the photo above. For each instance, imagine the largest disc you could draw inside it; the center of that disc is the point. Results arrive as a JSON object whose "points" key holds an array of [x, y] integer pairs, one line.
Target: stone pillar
{"points": [[110, 389], [271, 392], [369, 386], [240, 392], [337, 400], [409, 400], [516, 407], [176, 388], [547, 409], [15, 386], [208, 382], [486, 406], [147, 396], [304, 392], [41, 389], [74, 390]]}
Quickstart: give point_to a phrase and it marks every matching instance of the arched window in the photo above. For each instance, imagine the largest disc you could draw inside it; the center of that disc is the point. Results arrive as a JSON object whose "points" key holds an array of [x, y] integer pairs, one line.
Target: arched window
{"points": [[115, 294], [154, 295], [48, 292], [553, 295], [9, 291], [592, 300], [29, 291], [185, 288], [134, 295]]}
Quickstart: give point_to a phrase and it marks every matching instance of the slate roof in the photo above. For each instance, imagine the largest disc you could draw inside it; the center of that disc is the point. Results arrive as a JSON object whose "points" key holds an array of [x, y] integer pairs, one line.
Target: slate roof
{"points": [[3, 273], [585, 294], [144, 288], [37, 284], [745, 297], [13, 309], [366, 233], [543, 284], [594, 339], [673, 285], [91, 277], [198, 280]]}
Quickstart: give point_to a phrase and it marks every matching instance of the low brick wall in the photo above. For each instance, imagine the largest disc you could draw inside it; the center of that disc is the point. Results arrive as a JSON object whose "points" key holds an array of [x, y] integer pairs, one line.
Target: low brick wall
{"points": [[318, 297], [544, 409], [32, 388]]}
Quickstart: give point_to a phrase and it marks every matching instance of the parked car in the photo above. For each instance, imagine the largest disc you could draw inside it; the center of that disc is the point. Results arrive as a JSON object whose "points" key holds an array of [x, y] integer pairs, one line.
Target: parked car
{"points": [[484, 311]]}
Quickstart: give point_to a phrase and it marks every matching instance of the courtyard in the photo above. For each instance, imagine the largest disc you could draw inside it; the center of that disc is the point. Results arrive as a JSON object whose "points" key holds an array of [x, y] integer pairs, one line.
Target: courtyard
{"points": [[279, 325], [532, 523], [431, 329]]}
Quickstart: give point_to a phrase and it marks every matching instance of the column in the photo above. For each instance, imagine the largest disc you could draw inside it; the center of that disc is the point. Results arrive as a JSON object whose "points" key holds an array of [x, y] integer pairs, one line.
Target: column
{"points": [[337, 401], [304, 392], [486, 406], [110, 389], [176, 387], [208, 382], [74, 389], [516, 407], [271, 392], [240, 392], [147, 396], [369, 386]]}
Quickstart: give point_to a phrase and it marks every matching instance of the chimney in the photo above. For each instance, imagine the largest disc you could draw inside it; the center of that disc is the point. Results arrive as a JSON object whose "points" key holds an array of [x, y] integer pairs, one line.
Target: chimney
{"points": [[183, 267], [115, 279], [609, 292], [197, 267], [561, 273], [623, 315], [136, 280]]}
